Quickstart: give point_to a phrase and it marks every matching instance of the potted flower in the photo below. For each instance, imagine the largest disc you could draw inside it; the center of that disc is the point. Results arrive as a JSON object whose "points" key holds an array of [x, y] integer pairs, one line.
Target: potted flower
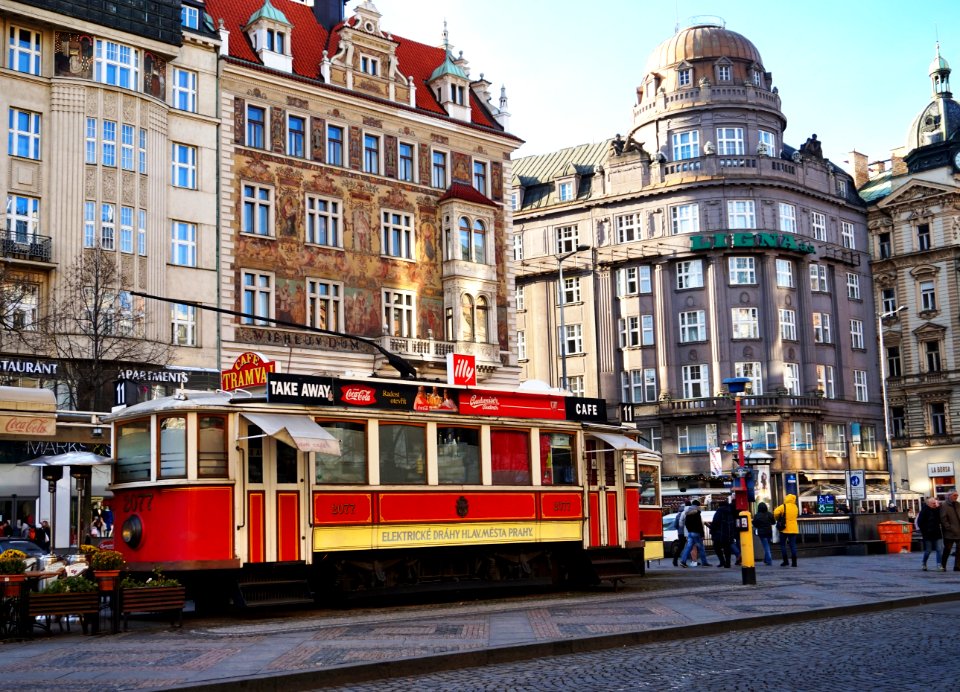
{"points": [[155, 595], [106, 566], [64, 597], [13, 563]]}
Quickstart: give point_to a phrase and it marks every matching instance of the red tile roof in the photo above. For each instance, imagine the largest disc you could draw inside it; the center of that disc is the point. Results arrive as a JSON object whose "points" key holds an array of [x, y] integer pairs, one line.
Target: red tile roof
{"points": [[308, 40], [468, 194]]}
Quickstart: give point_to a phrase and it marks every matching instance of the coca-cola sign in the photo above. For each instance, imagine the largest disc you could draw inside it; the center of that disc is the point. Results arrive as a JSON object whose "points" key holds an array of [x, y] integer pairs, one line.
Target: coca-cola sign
{"points": [[358, 395], [28, 425]]}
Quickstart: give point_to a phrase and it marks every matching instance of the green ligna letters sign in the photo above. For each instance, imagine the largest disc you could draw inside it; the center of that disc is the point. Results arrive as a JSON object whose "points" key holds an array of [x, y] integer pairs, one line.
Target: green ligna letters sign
{"points": [[781, 241]]}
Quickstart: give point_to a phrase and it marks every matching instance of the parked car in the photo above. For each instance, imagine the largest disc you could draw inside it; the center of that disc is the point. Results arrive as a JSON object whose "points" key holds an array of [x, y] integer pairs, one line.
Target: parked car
{"points": [[30, 548]]}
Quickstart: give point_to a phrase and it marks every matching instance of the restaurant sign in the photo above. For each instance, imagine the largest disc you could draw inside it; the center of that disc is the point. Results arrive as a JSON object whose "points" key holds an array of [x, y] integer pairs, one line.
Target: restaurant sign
{"points": [[737, 240], [249, 370]]}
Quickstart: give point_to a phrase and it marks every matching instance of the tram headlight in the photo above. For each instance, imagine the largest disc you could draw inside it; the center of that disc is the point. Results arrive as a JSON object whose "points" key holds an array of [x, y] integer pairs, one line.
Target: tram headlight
{"points": [[132, 531]]}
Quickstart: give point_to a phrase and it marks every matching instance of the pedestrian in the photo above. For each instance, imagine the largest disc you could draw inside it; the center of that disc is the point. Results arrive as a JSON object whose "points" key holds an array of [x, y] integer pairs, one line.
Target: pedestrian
{"points": [[693, 523], [928, 524], [107, 520], [788, 534], [681, 540], [950, 523], [723, 528], [763, 522]]}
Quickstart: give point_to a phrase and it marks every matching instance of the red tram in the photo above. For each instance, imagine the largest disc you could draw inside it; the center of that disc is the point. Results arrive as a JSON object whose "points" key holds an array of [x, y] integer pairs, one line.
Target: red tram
{"points": [[324, 486]]}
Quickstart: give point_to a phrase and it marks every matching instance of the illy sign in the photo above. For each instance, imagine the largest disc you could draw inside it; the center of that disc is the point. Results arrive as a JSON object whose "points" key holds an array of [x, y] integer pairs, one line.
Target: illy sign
{"points": [[461, 370]]}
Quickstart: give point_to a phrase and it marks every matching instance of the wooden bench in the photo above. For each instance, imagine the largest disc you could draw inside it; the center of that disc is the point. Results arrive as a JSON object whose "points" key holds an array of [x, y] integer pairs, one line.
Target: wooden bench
{"points": [[63, 605], [153, 600]]}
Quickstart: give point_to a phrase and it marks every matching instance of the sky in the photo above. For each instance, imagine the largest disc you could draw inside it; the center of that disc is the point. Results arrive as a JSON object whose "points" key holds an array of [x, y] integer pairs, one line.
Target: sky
{"points": [[855, 72]]}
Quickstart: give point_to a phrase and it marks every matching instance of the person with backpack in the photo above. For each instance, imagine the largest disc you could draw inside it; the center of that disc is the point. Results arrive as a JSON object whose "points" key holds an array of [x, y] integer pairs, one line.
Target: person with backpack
{"points": [[787, 514], [763, 522], [693, 523], [723, 529], [681, 540]]}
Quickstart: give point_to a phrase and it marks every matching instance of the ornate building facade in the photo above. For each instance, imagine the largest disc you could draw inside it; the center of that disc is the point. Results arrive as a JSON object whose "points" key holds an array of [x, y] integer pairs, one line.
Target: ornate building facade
{"points": [[914, 221], [701, 247]]}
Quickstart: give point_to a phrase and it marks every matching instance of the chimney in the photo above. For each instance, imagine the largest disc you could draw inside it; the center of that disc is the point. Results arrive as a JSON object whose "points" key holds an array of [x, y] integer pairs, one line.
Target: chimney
{"points": [[860, 173], [329, 13], [897, 165]]}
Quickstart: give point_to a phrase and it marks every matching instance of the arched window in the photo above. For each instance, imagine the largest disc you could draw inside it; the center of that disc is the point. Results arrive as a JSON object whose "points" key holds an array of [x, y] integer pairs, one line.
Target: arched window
{"points": [[466, 318], [464, 238], [481, 320], [479, 242]]}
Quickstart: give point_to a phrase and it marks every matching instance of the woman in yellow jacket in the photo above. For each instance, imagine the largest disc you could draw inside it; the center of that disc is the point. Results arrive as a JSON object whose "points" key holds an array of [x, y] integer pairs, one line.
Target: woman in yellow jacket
{"points": [[789, 511]]}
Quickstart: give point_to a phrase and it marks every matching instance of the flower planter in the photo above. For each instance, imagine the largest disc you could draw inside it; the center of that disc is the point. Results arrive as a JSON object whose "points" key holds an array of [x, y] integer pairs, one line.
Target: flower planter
{"points": [[153, 599], [107, 578], [48, 605], [12, 584]]}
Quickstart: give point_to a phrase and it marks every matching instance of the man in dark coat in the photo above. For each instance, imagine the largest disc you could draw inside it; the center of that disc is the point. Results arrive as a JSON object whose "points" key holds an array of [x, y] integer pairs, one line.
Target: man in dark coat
{"points": [[928, 524], [950, 522], [723, 530]]}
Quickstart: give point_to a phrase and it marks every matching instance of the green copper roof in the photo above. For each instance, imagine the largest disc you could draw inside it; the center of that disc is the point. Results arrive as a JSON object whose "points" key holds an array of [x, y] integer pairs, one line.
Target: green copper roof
{"points": [[448, 67], [270, 12]]}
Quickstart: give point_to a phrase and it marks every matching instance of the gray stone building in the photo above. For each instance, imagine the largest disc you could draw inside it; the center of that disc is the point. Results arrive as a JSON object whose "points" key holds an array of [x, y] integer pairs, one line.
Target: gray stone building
{"points": [[698, 247]]}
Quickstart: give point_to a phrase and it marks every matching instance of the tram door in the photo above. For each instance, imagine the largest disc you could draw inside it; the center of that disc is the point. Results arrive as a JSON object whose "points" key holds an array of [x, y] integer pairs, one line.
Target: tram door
{"points": [[274, 499], [604, 491]]}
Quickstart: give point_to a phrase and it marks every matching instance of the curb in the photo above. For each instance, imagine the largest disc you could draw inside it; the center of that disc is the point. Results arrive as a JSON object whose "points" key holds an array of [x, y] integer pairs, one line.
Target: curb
{"points": [[434, 663]]}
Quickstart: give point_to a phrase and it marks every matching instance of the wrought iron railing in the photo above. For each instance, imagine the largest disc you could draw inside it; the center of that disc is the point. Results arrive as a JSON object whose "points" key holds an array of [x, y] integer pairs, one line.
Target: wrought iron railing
{"points": [[16, 243]]}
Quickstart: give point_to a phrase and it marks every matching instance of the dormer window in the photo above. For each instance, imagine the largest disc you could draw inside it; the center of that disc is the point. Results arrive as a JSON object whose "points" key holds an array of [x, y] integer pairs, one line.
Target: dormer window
{"points": [[757, 78], [724, 73], [685, 77], [457, 94], [269, 34], [370, 66], [566, 191], [189, 17], [276, 41]]}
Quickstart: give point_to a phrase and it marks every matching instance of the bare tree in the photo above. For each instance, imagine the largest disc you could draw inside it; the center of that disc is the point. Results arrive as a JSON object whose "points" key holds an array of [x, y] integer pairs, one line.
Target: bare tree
{"points": [[95, 328]]}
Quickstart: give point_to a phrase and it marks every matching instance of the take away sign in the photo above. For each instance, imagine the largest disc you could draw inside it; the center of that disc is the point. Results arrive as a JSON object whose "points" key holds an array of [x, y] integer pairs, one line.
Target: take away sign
{"points": [[461, 370]]}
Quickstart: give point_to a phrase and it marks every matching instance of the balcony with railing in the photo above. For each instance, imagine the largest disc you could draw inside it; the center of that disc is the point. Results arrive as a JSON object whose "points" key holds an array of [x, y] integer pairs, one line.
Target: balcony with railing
{"points": [[16, 244], [435, 351], [763, 404]]}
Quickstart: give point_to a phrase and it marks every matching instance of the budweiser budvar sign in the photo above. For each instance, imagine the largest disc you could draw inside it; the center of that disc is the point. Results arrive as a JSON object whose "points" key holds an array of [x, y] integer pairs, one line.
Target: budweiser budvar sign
{"points": [[28, 425], [516, 404]]}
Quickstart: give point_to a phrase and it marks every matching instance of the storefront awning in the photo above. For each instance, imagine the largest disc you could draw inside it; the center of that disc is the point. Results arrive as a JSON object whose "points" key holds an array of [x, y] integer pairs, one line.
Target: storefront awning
{"points": [[622, 442], [297, 431], [28, 412]]}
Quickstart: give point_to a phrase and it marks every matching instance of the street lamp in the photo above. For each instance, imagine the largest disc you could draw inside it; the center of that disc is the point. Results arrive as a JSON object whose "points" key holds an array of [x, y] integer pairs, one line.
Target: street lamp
{"points": [[883, 389], [563, 324]]}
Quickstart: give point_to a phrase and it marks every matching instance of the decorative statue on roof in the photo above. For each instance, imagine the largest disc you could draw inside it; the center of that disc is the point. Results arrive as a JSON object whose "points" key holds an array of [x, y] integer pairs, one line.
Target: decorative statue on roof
{"points": [[812, 147], [616, 145]]}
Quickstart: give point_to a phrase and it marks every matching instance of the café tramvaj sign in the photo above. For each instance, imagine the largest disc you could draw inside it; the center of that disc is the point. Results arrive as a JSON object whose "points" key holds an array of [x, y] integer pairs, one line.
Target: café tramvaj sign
{"points": [[740, 239]]}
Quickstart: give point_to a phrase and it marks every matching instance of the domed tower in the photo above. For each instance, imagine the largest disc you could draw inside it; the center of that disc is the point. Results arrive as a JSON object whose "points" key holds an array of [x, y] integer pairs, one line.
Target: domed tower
{"points": [[937, 124], [700, 77]]}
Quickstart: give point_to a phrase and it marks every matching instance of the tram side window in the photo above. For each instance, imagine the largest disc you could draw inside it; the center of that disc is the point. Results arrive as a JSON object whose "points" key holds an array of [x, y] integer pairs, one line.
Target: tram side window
{"points": [[458, 455], [510, 457], [649, 477], [351, 465], [133, 451], [403, 453], [556, 459], [173, 447], [254, 455], [212, 447]]}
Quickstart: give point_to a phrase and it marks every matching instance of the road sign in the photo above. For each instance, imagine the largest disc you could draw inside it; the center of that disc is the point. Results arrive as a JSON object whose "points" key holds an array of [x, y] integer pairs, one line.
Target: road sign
{"points": [[858, 486], [826, 504]]}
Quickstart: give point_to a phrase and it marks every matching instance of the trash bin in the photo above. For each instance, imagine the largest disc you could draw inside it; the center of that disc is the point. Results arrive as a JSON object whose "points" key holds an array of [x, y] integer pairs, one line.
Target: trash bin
{"points": [[897, 535]]}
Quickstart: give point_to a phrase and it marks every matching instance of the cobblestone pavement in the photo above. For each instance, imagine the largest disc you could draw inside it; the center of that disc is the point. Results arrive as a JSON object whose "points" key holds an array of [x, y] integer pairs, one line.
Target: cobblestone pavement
{"points": [[311, 649]]}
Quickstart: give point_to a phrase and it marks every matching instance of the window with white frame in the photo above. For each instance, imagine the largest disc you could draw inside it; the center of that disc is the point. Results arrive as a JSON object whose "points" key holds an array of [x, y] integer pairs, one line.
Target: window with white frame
{"points": [[646, 330], [745, 323], [276, 41], [650, 384], [324, 304], [629, 328], [184, 90], [89, 224], [791, 378], [567, 238], [126, 230], [696, 381], [743, 270], [183, 172], [371, 154], [835, 439], [856, 334], [821, 328], [521, 345], [398, 239], [868, 440], [631, 385], [514, 201], [573, 340], [296, 136], [818, 278], [323, 221], [686, 145], [928, 296], [724, 73], [818, 225], [696, 439], [730, 141], [860, 385], [370, 66], [473, 241], [684, 76], [406, 162], [142, 151], [693, 326], [257, 210], [142, 232], [788, 218], [762, 434], [846, 235], [888, 299], [183, 244], [825, 381], [841, 188], [784, 273], [108, 143], [565, 191], [90, 141], [752, 371], [24, 50], [627, 281], [438, 175], [183, 325], [116, 64], [766, 143], [335, 145], [521, 301], [570, 290], [399, 313], [189, 17], [685, 218], [480, 176], [651, 437], [801, 436], [23, 138], [127, 136], [628, 228], [517, 245], [741, 214], [108, 226], [256, 126], [575, 385], [257, 297], [646, 283], [853, 286], [689, 274], [788, 324], [23, 218]]}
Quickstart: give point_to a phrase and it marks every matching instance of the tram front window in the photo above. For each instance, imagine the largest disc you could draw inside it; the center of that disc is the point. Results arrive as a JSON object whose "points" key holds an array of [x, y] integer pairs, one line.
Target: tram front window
{"points": [[350, 466], [403, 454], [649, 478], [458, 455]]}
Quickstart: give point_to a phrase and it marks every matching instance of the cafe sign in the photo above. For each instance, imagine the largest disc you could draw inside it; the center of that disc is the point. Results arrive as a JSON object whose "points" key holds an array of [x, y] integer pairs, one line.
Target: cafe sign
{"points": [[940, 470], [777, 241], [249, 370]]}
